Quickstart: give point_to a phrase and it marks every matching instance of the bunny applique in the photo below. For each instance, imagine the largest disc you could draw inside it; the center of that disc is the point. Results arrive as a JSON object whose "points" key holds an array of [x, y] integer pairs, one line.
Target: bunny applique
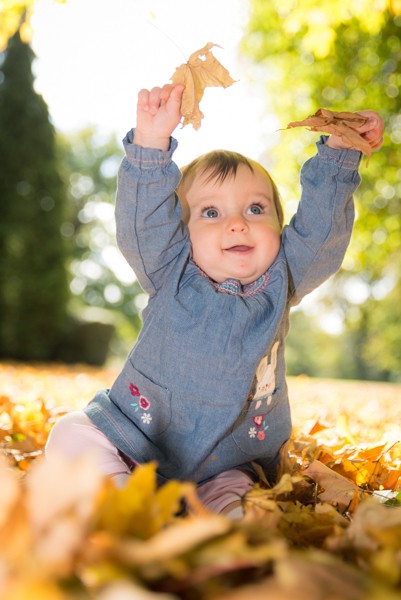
{"points": [[265, 378], [264, 385]]}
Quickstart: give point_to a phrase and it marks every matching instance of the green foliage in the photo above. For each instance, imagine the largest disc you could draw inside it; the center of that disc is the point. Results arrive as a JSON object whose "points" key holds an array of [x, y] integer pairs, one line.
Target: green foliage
{"points": [[381, 350], [103, 285], [34, 286], [342, 55], [310, 351]]}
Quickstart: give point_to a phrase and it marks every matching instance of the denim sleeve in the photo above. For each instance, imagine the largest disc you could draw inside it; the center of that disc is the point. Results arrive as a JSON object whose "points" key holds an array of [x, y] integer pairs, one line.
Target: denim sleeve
{"points": [[318, 235], [150, 233]]}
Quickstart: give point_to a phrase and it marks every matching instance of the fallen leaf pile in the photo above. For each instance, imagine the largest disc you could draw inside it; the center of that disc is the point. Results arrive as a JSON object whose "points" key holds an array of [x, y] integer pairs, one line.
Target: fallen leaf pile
{"points": [[329, 529], [201, 71], [342, 124]]}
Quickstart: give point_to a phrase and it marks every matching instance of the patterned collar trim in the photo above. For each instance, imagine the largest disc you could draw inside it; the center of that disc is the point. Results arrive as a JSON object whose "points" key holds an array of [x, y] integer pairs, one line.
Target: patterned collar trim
{"points": [[235, 288]]}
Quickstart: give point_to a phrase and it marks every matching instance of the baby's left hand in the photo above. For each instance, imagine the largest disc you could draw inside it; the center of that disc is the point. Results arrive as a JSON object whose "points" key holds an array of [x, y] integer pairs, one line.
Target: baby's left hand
{"points": [[371, 131]]}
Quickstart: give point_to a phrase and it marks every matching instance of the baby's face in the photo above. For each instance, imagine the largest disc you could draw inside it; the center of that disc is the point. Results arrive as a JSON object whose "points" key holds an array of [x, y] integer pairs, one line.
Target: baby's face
{"points": [[233, 225]]}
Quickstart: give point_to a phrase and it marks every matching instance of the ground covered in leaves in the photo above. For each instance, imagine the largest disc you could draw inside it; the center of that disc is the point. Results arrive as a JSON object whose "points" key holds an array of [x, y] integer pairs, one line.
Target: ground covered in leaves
{"points": [[329, 530]]}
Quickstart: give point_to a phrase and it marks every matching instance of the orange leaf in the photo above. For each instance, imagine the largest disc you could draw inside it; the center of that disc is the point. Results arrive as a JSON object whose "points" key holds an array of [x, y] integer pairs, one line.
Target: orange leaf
{"points": [[372, 452], [202, 70], [318, 426]]}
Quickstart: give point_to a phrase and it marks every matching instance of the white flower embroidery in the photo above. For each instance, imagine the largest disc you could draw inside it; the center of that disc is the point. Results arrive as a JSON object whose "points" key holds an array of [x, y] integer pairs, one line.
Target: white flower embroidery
{"points": [[146, 418], [252, 432]]}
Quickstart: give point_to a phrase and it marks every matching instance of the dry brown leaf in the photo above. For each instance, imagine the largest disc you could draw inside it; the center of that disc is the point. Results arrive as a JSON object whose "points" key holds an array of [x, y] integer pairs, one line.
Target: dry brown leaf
{"points": [[202, 70], [338, 490], [342, 124]]}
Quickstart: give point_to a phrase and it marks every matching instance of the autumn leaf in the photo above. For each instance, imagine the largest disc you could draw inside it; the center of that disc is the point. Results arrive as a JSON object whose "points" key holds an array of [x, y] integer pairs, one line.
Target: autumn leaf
{"points": [[202, 70], [68, 532], [342, 124], [337, 490]]}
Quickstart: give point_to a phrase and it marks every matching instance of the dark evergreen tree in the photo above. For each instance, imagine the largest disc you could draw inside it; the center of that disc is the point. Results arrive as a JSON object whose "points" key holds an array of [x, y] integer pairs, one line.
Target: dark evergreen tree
{"points": [[33, 277]]}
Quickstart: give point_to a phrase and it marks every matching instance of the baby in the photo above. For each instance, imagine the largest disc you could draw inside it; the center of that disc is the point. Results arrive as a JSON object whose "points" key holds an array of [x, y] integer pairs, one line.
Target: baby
{"points": [[203, 391]]}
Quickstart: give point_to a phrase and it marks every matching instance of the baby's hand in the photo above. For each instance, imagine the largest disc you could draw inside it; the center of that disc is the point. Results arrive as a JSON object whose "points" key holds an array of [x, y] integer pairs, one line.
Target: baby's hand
{"points": [[371, 131], [158, 114]]}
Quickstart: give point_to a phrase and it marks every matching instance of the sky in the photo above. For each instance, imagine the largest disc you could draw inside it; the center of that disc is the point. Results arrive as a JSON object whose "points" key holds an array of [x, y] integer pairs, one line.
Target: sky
{"points": [[93, 57]]}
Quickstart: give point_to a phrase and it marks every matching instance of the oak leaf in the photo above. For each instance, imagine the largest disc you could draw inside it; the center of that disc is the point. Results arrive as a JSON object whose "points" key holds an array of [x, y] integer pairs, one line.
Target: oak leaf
{"points": [[342, 124], [202, 70]]}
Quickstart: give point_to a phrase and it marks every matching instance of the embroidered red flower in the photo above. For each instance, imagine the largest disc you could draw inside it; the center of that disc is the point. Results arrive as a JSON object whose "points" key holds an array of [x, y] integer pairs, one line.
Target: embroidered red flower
{"points": [[258, 420], [134, 390], [261, 435], [144, 402]]}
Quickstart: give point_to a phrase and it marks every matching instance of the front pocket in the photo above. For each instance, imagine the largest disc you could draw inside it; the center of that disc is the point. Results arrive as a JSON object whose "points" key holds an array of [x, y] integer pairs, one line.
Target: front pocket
{"points": [[144, 402]]}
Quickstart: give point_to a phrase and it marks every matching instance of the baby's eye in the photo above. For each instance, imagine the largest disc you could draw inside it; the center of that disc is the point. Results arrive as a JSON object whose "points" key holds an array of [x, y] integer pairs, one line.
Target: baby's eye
{"points": [[210, 213], [255, 209]]}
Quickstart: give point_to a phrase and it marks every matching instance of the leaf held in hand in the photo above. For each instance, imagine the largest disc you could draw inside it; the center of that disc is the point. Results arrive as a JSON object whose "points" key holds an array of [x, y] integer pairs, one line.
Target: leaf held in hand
{"points": [[202, 70], [342, 124]]}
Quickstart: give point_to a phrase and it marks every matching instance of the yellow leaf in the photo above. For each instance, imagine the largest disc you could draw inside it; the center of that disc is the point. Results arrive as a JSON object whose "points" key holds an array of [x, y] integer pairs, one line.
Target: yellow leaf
{"points": [[140, 508], [202, 70]]}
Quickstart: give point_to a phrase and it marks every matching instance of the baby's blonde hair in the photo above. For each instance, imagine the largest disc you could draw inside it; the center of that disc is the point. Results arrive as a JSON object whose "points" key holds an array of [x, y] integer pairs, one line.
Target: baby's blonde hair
{"points": [[220, 164]]}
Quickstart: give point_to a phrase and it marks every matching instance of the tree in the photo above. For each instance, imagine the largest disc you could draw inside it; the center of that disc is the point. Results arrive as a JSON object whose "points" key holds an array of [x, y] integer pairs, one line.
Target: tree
{"points": [[343, 55], [34, 286]]}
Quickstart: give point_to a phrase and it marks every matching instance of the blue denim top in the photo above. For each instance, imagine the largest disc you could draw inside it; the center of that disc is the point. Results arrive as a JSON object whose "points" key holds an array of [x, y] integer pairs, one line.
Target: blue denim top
{"points": [[203, 390]]}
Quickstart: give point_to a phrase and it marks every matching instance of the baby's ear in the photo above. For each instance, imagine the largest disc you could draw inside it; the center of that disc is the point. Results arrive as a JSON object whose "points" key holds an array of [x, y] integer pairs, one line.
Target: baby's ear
{"points": [[261, 368]]}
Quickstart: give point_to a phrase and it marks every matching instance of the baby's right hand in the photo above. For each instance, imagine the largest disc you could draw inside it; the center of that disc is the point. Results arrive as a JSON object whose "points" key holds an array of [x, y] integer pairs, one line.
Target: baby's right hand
{"points": [[158, 114]]}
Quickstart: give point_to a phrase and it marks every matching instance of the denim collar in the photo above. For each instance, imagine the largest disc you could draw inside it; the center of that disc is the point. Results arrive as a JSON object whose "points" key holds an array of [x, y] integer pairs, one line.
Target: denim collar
{"points": [[235, 287]]}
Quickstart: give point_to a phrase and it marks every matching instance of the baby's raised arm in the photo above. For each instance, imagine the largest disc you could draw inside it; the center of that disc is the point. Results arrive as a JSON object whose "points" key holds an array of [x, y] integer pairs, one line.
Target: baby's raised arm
{"points": [[372, 131], [158, 114]]}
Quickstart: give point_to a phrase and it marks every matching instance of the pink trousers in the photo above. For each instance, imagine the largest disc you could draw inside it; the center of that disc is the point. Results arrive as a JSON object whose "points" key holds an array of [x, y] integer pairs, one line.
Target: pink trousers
{"points": [[74, 434]]}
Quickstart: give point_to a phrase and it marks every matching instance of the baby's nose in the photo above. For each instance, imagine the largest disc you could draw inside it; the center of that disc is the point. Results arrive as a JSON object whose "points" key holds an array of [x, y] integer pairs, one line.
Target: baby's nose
{"points": [[237, 223]]}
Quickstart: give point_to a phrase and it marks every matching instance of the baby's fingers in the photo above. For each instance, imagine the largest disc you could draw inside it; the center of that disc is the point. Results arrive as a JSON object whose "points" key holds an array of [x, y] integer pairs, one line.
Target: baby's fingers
{"points": [[154, 100], [372, 130], [371, 120], [149, 101], [172, 93], [143, 100]]}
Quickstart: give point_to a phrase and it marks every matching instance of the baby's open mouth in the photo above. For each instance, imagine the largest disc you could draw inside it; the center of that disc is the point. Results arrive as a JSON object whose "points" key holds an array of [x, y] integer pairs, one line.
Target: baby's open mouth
{"points": [[239, 249]]}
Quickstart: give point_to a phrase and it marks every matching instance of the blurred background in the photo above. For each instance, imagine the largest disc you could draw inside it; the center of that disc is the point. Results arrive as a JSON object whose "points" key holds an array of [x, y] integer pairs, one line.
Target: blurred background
{"points": [[69, 76]]}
